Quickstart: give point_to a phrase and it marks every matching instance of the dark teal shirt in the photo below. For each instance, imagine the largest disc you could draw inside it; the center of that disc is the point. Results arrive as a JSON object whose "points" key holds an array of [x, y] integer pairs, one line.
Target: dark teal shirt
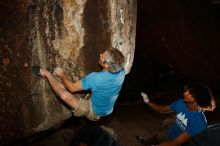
{"points": [[192, 122]]}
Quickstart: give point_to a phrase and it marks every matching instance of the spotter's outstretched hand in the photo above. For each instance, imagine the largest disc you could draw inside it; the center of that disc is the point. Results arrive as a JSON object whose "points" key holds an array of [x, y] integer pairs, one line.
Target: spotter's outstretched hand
{"points": [[145, 97]]}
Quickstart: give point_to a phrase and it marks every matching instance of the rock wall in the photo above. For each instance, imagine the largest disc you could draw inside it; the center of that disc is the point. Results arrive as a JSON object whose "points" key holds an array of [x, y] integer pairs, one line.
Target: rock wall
{"points": [[51, 33]]}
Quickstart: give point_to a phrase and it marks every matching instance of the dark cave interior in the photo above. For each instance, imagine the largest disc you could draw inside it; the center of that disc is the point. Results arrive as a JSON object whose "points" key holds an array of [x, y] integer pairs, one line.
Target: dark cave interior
{"points": [[176, 42]]}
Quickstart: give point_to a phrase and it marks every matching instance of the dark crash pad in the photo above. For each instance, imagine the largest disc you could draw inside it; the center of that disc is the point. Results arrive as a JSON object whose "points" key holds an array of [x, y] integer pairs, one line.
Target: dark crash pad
{"points": [[210, 137]]}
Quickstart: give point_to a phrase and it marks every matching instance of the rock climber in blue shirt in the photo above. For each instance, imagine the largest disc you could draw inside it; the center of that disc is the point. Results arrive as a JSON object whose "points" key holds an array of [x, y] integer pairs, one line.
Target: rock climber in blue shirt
{"points": [[104, 85]]}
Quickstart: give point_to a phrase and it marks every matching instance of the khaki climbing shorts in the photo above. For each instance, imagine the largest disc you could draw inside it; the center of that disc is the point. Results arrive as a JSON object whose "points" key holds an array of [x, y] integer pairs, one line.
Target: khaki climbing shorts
{"points": [[84, 109]]}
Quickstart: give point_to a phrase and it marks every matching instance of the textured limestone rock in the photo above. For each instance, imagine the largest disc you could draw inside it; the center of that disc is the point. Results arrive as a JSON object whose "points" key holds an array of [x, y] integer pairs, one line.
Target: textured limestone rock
{"points": [[65, 33]]}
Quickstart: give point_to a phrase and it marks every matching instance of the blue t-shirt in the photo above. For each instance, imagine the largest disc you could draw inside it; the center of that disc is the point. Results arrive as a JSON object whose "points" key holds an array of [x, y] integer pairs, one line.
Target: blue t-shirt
{"points": [[192, 122], [105, 87]]}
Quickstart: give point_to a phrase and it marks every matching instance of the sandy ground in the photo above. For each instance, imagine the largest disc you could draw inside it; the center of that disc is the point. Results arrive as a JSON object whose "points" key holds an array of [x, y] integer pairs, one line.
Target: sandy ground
{"points": [[127, 121], [130, 121]]}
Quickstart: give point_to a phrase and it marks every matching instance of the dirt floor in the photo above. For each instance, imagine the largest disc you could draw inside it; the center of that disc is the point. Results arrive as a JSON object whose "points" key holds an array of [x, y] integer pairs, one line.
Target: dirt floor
{"points": [[128, 121]]}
